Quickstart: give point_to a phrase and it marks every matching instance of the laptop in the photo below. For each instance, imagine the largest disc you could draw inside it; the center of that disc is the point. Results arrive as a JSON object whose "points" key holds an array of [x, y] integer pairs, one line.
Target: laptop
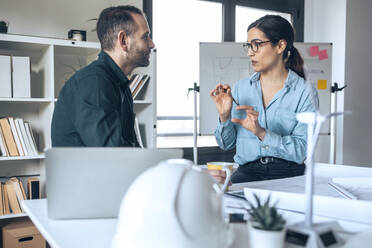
{"points": [[91, 182]]}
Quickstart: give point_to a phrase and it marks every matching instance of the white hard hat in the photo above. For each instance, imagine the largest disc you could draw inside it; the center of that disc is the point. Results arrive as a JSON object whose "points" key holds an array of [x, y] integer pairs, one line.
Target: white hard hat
{"points": [[173, 204]]}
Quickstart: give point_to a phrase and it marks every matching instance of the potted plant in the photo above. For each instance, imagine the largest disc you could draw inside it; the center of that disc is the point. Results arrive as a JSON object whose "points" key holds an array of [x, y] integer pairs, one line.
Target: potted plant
{"points": [[266, 226]]}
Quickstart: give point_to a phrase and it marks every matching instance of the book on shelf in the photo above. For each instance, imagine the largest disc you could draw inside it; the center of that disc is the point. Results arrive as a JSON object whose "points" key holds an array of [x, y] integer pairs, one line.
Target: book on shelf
{"points": [[133, 81], [33, 185], [16, 138], [3, 148], [138, 132], [5, 199], [136, 83], [30, 137], [23, 144], [12, 193], [9, 139], [16, 194], [12, 198], [141, 83], [1, 199], [24, 136]]}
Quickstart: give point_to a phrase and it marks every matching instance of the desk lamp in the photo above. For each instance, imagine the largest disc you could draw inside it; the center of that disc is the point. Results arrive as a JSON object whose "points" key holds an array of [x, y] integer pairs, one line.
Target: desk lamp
{"points": [[307, 234]]}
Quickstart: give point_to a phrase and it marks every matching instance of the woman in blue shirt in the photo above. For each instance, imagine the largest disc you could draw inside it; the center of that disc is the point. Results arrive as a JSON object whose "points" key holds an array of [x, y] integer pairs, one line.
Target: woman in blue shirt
{"points": [[258, 116]]}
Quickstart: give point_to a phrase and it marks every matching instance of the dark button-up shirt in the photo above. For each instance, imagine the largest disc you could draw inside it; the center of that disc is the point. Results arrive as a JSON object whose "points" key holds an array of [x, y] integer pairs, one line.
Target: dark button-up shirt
{"points": [[95, 108]]}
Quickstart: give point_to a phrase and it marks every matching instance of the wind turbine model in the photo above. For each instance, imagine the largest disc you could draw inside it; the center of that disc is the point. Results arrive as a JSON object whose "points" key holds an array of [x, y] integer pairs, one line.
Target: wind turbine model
{"points": [[307, 234]]}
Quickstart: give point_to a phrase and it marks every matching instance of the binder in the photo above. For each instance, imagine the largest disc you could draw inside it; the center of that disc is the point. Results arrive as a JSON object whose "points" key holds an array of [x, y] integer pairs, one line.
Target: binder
{"points": [[5, 76]]}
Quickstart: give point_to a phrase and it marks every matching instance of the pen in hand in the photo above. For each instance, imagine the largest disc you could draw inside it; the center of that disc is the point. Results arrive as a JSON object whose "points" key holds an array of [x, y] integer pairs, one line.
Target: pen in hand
{"points": [[224, 90], [235, 100]]}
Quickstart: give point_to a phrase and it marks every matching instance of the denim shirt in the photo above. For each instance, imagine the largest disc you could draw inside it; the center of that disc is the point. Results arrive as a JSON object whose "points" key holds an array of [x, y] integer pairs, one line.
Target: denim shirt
{"points": [[285, 137]]}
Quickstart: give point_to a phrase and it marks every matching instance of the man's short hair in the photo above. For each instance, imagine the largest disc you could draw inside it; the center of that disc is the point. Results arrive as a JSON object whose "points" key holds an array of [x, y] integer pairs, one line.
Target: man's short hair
{"points": [[114, 19]]}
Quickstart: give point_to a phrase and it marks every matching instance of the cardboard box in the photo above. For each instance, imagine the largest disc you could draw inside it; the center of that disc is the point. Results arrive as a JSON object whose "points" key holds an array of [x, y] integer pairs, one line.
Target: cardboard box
{"points": [[5, 76], [21, 77], [22, 234]]}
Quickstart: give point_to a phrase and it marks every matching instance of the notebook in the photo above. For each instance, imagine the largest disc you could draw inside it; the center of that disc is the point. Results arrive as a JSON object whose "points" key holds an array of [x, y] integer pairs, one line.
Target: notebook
{"points": [[91, 182]]}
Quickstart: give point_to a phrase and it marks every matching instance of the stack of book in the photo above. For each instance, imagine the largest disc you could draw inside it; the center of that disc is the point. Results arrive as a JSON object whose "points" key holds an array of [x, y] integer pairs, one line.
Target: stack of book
{"points": [[12, 193], [136, 83], [16, 138]]}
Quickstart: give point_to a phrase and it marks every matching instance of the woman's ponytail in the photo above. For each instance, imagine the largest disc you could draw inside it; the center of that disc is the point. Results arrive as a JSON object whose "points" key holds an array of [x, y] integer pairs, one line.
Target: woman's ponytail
{"points": [[295, 62]]}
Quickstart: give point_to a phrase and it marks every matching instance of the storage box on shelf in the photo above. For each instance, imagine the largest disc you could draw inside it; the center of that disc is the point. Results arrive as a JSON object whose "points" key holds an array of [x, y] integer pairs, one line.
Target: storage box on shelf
{"points": [[53, 61]]}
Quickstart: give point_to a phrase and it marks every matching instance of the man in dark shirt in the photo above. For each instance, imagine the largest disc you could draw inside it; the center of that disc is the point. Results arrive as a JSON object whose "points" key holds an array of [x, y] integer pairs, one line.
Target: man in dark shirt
{"points": [[95, 107]]}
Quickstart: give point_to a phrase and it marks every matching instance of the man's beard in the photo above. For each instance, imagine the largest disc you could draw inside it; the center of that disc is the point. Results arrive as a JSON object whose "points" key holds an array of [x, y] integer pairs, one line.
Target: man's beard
{"points": [[141, 58]]}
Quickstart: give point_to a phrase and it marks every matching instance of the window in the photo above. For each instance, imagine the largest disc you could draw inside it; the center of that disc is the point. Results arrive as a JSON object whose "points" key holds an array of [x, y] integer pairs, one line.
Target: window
{"points": [[178, 27], [247, 15]]}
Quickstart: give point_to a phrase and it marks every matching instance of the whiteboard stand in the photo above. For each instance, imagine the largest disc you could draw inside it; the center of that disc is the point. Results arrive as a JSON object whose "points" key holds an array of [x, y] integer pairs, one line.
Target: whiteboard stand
{"points": [[196, 89], [332, 150]]}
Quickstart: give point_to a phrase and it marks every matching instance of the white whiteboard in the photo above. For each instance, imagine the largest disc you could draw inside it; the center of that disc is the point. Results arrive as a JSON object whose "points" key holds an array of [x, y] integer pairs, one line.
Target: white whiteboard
{"points": [[227, 62]]}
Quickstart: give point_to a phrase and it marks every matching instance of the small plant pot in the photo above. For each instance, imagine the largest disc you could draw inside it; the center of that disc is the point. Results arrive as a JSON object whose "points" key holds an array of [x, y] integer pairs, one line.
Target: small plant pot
{"points": [[265, 239]]}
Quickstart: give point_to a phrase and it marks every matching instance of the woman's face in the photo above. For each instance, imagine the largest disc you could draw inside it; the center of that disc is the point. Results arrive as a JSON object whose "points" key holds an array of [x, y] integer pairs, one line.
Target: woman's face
{"points": [[267, 55]]}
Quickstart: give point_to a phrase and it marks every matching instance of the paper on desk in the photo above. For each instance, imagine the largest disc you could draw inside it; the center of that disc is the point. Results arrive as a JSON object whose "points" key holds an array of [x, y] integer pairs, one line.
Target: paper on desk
{"points": [[235, 205], [293, 185], [361, 187]]}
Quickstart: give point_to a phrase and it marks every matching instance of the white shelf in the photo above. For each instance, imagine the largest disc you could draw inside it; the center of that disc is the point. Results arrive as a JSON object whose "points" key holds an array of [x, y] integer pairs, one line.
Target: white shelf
{"points": [[142, 102], [25, 100], [20, 40], [10, 216], [40, 156]]}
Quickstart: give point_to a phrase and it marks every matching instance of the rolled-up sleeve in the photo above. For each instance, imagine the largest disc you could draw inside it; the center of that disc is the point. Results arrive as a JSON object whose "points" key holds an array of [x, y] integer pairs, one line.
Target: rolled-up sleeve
{"points": [[225, 135]]}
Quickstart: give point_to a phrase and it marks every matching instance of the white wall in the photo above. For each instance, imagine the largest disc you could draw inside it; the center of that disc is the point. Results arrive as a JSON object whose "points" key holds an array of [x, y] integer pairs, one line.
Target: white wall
{"points": [[325, 21], [358, 75], [54, 18]]}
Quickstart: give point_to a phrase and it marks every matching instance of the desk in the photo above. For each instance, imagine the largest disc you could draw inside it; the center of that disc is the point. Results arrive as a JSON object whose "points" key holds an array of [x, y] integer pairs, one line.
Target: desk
{"points": [[98, 233], [70, 233]]}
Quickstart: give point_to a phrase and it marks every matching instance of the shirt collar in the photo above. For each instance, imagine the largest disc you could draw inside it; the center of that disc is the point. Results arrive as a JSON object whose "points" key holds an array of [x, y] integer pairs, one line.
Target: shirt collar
{"points": [[291, 78], [107, 60]]}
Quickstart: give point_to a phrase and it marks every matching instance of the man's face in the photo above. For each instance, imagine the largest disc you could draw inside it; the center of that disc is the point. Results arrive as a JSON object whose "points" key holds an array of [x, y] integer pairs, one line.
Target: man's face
{"points": [[140, 43]]}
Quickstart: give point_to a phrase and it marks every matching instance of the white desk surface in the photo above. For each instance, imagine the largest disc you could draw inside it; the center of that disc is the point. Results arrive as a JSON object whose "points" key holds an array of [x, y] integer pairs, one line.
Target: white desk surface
{"points": [[70, 233], [98, 233]]}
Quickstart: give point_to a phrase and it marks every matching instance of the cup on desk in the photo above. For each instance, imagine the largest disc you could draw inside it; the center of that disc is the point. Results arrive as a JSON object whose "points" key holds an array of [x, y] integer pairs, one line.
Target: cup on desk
{"points": [[224, 166]]}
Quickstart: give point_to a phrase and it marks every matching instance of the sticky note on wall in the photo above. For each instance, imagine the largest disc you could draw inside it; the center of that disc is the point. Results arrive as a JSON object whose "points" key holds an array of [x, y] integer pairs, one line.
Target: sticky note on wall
{"points": [[314, 51], [323, 54], [322, 84]]}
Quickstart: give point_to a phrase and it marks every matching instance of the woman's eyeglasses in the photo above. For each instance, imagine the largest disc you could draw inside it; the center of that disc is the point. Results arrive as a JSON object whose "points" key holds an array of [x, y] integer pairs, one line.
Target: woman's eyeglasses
{"points": [[254, 45]]}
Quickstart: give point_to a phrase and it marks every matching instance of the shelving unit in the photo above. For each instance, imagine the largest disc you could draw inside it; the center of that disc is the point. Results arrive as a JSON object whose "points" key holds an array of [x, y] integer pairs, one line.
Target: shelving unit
{"points": [[53, 61]]}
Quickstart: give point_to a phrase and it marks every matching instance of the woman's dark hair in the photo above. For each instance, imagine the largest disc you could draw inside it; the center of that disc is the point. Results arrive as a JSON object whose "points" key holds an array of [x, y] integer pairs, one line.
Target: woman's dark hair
{"points": [[277, 28], [114, 19]]}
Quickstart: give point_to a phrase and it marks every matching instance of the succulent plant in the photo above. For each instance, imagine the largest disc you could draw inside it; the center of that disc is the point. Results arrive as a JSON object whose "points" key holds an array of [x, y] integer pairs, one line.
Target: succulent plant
{"points": [[264, 216]]}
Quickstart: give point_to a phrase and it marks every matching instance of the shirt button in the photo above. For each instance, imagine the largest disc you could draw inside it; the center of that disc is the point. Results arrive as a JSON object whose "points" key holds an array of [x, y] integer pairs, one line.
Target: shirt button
{"points": [[266, 147]]}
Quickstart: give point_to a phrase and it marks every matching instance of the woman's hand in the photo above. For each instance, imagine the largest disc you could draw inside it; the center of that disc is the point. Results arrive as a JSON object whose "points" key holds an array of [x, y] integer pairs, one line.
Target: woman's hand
{"points": [[251, 121], [218, 175], [221, 96]]}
